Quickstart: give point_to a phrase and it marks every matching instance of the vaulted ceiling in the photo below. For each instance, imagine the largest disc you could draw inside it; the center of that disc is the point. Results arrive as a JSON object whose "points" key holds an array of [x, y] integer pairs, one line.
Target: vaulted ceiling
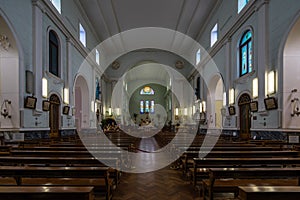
{"points": [[110, 17]]}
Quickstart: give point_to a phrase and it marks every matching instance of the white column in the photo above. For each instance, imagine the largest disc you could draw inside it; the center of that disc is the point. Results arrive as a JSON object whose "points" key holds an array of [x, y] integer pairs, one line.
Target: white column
{"points": [[262, 48], [37, 51], [228, 65]]}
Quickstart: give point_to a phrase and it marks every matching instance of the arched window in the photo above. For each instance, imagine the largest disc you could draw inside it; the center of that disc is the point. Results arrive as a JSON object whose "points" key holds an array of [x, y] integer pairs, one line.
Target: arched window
{"points": [[147, 91], [53, 53], [245, 50]]}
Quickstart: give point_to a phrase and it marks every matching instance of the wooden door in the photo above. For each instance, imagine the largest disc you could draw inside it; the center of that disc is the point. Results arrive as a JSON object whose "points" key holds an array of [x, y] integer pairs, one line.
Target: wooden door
{"points": [[54, 116], [245, 116]]}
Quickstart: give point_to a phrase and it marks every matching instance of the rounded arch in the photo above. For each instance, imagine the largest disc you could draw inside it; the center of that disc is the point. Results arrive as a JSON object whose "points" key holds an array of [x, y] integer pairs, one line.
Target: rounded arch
{"points": [[81, 95], [12, 79], [237, 42], [244, 114], [51, 29], [216, 89], [288, 82], [54, 115]]}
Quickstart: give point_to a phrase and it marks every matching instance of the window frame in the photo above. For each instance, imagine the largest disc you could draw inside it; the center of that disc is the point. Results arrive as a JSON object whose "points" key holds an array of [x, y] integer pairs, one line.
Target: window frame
{"points": [[242, 44], [81, 38], [52, 44]]}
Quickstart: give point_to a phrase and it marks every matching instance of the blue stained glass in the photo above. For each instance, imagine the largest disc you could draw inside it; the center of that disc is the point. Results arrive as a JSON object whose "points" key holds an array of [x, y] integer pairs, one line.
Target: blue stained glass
{"points": [[152, 107], [244, 60], [147, 106], [246, 37], [141, 107], [250, 57]]}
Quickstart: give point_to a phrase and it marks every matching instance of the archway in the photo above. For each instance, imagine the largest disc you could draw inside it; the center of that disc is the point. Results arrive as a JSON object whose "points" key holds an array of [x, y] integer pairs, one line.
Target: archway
{"points": [[81, 103], [290, 79], [9, 76], [54, 115], [215, 102], [245, 116]]}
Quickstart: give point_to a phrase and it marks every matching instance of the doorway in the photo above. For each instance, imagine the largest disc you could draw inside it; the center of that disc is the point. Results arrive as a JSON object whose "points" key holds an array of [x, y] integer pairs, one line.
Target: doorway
{"points": [[245, 116], [54, 116]]}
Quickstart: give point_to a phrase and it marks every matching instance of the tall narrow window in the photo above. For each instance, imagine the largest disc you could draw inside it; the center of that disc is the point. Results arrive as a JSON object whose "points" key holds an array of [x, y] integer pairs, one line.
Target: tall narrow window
{"points": [[242, 4], [214, 35], [97, 57], [53, 53], [152, 107], [245, 50], [147, 107], [82, 35], [142, 107], [198, 56], [56, 4]]}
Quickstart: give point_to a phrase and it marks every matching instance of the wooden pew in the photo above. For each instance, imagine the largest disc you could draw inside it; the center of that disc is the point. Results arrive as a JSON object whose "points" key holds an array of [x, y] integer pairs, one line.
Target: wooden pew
{"points": [[46, 193], [201, 165], [100, 153], [21, 172], [269, 192], [243, 176], [115, 163], [189, 155]]}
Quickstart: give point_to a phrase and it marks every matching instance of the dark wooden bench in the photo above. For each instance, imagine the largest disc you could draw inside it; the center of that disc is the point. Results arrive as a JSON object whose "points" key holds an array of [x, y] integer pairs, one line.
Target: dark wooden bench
{"points": [[228, 179], [46, 193], [201, 165], [59, 173], [188, 156], [269, 192]]}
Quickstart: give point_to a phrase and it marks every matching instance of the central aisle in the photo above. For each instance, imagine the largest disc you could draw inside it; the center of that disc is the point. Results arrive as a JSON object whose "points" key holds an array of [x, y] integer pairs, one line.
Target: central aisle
{"points": [[162, 184]]}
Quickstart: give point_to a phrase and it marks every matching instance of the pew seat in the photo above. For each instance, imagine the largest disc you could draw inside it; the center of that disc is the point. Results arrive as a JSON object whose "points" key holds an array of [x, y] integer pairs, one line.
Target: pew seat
{"points": [[46, 193], [269, 192]]}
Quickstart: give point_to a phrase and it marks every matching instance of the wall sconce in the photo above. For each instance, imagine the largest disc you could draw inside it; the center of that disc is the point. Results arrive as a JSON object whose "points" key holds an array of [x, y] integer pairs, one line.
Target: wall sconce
{"points": [[231, 96], [176, 111], [66, 95], [44, 87], [200, 107], [255, 88], [224, 99], [4, 108], [93, 106], [203, 106], [109, 111], [271, 82]]}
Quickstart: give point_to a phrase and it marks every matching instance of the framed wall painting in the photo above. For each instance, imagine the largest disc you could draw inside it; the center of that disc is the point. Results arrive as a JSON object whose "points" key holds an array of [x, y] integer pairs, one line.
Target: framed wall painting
{"points": [[66, 110], [46, 105], [231, 110], [254, 106], [270, 103], [30, 102]]}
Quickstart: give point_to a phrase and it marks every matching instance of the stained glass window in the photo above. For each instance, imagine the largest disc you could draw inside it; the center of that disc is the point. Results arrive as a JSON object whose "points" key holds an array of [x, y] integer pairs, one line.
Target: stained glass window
{"points": [[246, 53], [147, 109], [152, 107], [141, 107], [98, 91], [147, 91]]}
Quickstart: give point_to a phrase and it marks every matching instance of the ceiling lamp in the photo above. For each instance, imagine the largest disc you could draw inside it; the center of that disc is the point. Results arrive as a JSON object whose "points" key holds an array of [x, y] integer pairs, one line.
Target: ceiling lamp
{"points": [[179, 64], [115, 65]]}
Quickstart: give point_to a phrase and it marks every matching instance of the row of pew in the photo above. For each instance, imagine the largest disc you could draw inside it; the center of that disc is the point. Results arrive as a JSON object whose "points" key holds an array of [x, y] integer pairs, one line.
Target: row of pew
{"points": [[248, 169]]}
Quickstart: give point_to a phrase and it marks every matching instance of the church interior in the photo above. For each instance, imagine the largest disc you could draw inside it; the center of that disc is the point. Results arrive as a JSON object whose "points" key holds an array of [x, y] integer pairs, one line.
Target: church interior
{"points": [[140, 99]]}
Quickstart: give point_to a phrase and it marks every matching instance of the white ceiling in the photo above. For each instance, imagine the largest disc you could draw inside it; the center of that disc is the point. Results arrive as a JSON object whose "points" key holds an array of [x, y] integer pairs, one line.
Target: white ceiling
{"points": [[110, 17]]}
